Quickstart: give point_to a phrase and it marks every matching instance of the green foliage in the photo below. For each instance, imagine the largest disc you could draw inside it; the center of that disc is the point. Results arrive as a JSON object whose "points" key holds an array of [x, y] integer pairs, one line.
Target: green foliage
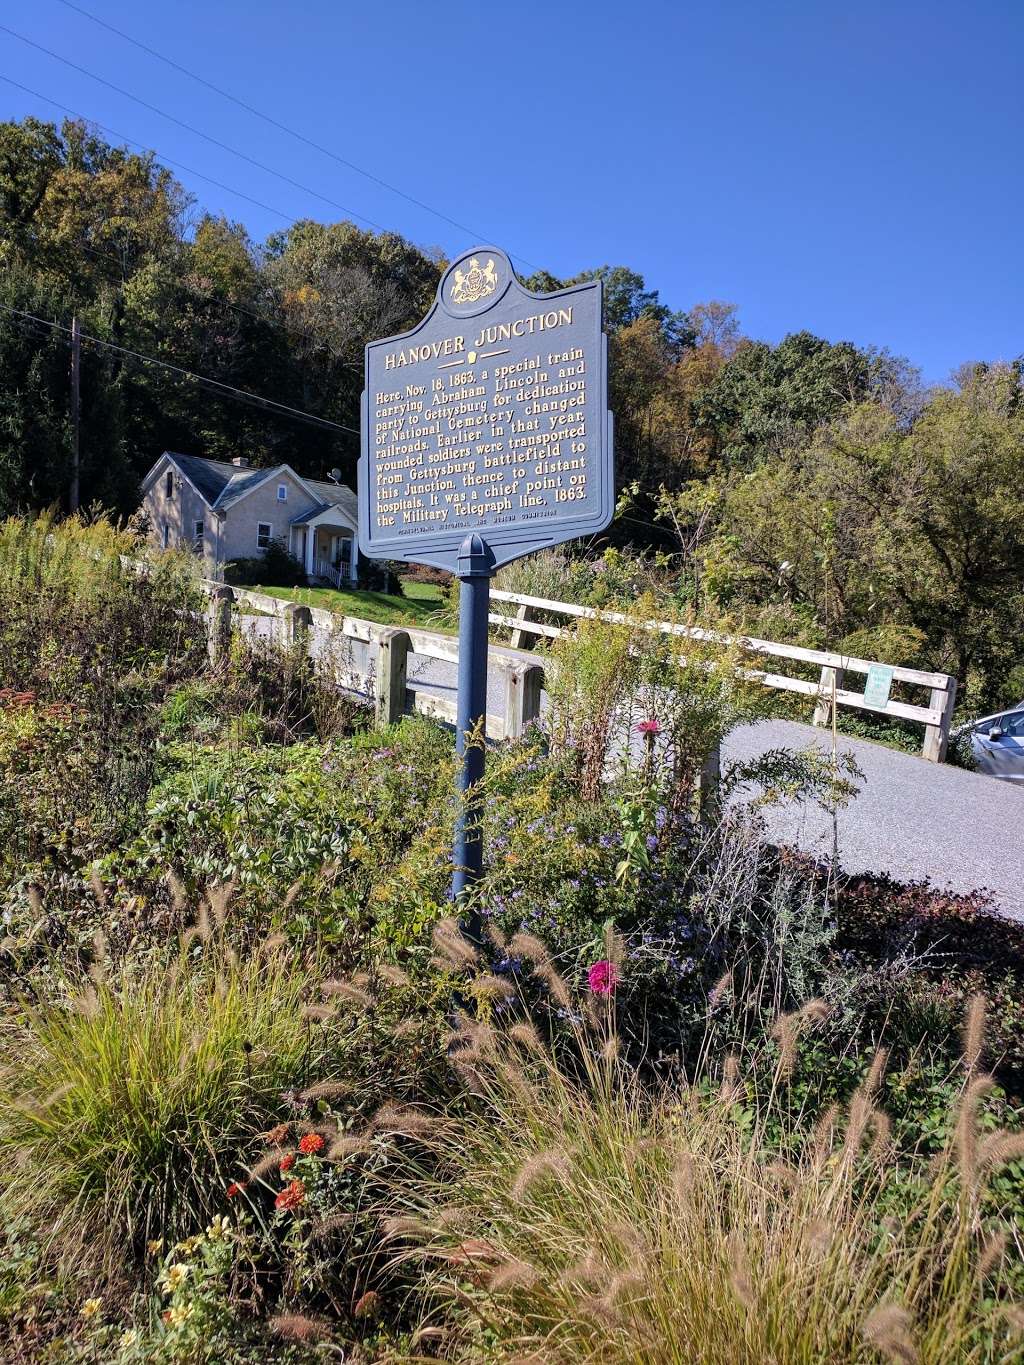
{"points": [[125, 1100], [276, 565]]}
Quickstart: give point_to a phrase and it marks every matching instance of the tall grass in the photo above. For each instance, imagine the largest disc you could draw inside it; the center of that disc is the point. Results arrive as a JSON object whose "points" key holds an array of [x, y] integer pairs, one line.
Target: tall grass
{"points": [[585, 1220], [124, 1107]]}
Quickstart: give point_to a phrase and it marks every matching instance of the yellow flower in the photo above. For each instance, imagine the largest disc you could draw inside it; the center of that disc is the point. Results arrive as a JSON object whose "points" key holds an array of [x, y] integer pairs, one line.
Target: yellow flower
{"points": [[157, 1245], [129, 1338], [91, 1307], [218, 1229], [175, 1276], [179, 1314]]}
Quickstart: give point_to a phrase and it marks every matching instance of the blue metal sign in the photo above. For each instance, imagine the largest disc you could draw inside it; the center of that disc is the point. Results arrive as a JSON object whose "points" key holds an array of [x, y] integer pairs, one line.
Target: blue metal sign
{"points": [[486, 435], [491, 417]]}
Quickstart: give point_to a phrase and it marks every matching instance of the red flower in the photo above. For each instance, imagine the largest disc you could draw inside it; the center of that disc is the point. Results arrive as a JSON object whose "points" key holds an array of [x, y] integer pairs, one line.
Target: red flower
{"points": [[650, 727], [603, 977], [234, 1189], [287, 1163], [311, 1144], [292, 1197]]}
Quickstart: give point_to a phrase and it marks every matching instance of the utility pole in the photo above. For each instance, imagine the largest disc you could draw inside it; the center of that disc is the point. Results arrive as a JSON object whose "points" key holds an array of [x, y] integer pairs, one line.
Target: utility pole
{"points": [[76, 366]]}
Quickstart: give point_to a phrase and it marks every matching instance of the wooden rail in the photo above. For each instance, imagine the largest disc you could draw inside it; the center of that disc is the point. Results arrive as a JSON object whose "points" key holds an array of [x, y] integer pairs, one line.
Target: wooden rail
{"points": [[936, 716], [386, 682]]}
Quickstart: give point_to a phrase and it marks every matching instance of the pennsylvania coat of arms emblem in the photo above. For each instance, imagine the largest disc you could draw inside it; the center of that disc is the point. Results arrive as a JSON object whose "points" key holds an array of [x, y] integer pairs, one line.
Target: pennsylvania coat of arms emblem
{"points": [[475, 283]]}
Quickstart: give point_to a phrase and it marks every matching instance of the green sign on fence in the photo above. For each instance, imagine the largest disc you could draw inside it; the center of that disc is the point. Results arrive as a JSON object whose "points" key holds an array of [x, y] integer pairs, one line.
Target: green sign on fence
{"points": [[877, 687]]}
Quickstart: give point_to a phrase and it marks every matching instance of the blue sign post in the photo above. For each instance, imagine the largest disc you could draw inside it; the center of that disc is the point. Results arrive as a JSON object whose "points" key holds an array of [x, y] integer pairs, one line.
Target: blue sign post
{"points": [[486, 435]]}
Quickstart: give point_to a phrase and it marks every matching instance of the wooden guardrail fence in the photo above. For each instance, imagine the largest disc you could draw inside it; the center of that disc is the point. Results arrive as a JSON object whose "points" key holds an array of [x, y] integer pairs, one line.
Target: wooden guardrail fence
{"points": [[386, 681], [936, 716]]}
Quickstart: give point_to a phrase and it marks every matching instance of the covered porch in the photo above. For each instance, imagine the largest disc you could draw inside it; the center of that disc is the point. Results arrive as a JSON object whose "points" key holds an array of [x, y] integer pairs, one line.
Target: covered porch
{"points": [[325, 544]]}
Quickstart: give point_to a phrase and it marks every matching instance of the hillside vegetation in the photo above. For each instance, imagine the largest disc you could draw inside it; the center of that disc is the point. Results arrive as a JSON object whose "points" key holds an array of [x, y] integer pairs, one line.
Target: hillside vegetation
{"points": [[811, 491]]}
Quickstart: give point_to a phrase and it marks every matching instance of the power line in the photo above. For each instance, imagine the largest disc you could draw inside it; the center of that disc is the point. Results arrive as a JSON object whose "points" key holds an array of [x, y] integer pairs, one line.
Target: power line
{"points": [[283, 127], [198, 132], [242, 394], [48, 99]]}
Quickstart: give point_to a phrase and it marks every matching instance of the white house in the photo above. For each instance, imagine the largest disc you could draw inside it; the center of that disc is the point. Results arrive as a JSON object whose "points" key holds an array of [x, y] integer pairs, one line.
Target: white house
{"points": [[229, 512]]}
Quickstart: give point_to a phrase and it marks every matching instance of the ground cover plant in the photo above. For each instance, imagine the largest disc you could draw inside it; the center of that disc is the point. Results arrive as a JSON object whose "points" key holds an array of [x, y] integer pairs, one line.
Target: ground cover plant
{"points": [[260, 1100]]}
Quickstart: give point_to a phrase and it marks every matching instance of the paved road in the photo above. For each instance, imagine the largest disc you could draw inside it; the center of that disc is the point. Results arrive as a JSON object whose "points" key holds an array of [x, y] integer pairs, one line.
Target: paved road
{"points": [[961, 830], [913, 819]]}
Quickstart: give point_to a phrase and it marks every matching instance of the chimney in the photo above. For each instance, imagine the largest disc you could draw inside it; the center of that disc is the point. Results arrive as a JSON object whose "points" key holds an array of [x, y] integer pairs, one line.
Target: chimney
{"points": [[240, 462]]}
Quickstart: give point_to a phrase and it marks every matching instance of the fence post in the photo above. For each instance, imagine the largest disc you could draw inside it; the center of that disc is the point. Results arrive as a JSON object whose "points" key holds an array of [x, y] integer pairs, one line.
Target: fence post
{"points": [[393, 647], [830, 677], [936, 737], [222, 599], [523, 614], [708, 782], [523, 683], [297, 623]]}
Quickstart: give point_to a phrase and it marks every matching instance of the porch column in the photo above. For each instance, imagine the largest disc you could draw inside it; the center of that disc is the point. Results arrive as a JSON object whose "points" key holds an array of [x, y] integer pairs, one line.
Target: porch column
{"points": [[310, 542], [353, 559]]}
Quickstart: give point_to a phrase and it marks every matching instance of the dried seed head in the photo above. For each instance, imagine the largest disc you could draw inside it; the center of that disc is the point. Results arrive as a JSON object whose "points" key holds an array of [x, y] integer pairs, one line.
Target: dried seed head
{"points": [[999, 1149], [889, 1329], [368, 1306], [327, 1227], [393, 1118], [347, 991], [298, 1327], [682, 1177], [722, 987], [536, 1167], [403, 1226], [394, 976], [96, 882], [526, 1035], [220, 899], [496, 937], [730, 1078], [274, 943], [530, 947], [326, 1090], [317, 1014], [881, 1142], [347, 1146], [974, 1032], [876, 1071], [556, 985], [453, 947], [491, 987], [179, 896], [268, 1164], [513, 1274], [991, 1253]]}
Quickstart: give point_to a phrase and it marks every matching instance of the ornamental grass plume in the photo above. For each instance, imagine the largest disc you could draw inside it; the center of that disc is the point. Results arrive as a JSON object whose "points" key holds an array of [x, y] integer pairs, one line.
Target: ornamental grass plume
{"points": [[589, 1220]]}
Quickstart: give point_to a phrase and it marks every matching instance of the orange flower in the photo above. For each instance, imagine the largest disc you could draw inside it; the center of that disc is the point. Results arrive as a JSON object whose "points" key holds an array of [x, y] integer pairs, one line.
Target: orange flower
{"points": [[234, 1189], [287, 1163], [292, 1197], [311, 1144]]}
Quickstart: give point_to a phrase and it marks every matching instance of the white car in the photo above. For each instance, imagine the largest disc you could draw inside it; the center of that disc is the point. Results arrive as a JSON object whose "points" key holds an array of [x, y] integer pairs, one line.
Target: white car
{"points": [[998, 744]]}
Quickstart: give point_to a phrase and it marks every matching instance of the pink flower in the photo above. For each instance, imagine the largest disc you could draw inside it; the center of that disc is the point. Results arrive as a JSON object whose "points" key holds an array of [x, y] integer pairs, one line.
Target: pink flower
{"points": [[603, 977], [649, 727]]}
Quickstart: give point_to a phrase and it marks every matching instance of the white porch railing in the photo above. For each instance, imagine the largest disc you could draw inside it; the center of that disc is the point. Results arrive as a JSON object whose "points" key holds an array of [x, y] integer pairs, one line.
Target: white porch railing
{"points": [[323, 568]]}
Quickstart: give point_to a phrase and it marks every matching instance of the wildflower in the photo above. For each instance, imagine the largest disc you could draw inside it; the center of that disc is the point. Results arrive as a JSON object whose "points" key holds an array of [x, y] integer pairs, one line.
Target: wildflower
{"points": [[652, 842], [91, 1307], [291, 1197], [234, 1189], [218, 1229], [129, 1338], [155, 1246], [649, 727], [287, 1163], [310, 1145], [603, 977], [174, 1277], [179, 1314]]}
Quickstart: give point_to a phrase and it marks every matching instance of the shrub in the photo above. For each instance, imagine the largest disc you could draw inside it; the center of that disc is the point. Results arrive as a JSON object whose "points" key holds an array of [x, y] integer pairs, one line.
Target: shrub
{"points": [[277, 565], [122, 1105]]}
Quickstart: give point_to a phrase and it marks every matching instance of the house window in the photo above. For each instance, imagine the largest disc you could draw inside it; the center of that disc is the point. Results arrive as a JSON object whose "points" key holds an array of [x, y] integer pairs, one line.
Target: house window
{"points": [[264, 530], [166, 534], [282, 492], [199, 535], [169, 485]]}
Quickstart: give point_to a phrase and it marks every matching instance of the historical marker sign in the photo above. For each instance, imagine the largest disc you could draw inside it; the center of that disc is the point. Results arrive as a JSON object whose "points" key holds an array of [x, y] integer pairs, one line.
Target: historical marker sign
{"points": [[485, 435], [489, 417]]}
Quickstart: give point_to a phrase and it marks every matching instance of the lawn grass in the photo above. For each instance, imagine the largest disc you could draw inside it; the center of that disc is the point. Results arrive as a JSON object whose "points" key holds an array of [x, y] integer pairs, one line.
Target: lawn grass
{"points": [[412, 608]]}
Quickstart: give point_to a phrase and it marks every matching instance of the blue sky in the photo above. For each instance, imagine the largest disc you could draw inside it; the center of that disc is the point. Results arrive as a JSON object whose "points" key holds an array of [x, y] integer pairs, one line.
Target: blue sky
{"points": [[851, 169]]}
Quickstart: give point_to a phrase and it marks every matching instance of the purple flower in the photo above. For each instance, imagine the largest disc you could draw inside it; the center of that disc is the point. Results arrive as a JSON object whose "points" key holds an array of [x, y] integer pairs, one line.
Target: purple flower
{"points": [[652, 842]]}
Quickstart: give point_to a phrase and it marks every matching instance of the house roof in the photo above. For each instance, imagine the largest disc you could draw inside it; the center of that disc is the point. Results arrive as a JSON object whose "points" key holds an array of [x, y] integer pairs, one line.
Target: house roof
{"points": [[223, 484]]}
